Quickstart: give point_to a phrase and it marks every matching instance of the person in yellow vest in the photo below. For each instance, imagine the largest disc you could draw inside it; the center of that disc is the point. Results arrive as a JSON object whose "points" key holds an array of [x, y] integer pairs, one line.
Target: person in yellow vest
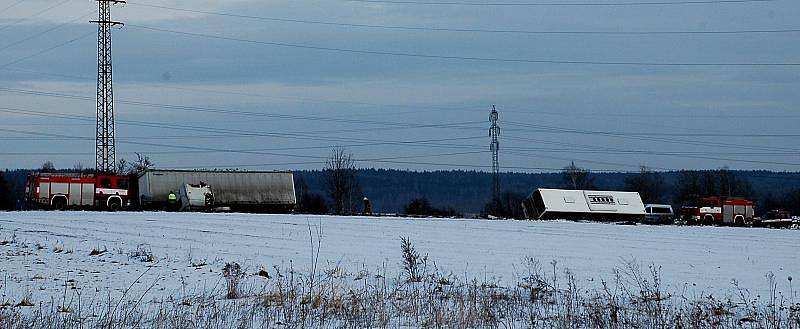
{"points": [[172, 201]]}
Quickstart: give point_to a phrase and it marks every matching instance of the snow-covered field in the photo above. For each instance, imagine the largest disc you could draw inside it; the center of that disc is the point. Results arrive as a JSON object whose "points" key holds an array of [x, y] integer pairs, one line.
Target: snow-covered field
{"points": [[46, 253]]}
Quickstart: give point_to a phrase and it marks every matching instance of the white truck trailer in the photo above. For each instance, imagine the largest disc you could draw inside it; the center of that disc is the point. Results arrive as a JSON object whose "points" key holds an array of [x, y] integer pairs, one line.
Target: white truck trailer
{"points": [[246, 191], [581, 204]]}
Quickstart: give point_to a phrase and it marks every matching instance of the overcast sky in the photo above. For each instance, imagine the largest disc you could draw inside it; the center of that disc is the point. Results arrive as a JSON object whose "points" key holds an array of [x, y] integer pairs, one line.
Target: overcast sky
{"points": [[268, 92]]}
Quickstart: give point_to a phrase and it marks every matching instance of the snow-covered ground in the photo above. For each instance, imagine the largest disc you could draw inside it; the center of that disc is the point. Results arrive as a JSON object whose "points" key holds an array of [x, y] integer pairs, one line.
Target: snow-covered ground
{"points": [[48, 253]]}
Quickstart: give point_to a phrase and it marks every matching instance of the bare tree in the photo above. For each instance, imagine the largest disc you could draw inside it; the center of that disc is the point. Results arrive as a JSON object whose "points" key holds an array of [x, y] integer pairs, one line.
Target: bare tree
{"points": [[48, 166], [142, 163], [78, 167], [720, 182], [648, 183], [6, 201], [689, 186], [340, 180], [576, 178], [731, 185], [122, 166], [507, 205]]}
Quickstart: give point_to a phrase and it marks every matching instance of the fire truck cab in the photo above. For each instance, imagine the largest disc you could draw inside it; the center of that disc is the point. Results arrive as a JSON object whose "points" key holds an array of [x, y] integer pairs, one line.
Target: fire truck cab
{"points": [[719, 210], [76, 191]]}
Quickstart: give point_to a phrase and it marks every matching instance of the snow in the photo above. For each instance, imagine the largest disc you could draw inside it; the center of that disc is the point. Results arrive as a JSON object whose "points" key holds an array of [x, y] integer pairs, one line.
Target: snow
{"points": [[704, 259]]}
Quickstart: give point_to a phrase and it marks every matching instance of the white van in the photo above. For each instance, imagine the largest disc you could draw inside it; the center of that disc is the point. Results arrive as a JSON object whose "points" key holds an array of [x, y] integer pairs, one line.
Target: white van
{"points": [[658, 214]]}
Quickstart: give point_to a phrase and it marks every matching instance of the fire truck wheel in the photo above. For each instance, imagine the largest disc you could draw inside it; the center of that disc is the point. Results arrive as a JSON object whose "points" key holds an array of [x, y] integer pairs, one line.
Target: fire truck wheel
{"points": [[59, 203], [114, 205], [708, 220], [738, 221]]}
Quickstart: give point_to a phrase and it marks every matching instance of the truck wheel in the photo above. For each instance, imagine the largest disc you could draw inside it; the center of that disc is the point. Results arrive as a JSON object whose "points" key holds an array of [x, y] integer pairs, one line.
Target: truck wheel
{"points": [[708, 220], [114, 205], [738, 221], [59, 203]]}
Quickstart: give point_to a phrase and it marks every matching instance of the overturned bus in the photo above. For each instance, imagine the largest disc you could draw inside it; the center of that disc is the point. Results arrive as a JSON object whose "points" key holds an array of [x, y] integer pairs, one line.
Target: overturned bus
{"points": [[584, 205]]}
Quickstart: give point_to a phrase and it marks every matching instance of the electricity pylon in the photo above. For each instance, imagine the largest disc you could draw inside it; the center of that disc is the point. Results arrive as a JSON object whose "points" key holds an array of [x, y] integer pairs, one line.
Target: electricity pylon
{"points": [[105, 147], [494, 146]]}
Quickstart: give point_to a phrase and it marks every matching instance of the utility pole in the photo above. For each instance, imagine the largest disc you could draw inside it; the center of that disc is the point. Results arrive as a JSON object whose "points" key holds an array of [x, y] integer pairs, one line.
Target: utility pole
{"points": [[494, 146], [105, 149]]}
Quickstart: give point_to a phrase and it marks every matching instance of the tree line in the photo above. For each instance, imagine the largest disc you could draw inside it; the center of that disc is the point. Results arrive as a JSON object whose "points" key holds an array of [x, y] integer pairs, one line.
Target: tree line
{"points": [[340, 187]]}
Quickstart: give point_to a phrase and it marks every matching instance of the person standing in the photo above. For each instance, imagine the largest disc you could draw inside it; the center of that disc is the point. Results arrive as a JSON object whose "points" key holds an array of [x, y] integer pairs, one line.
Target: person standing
{"points": [[172, 201], [367, 207]]}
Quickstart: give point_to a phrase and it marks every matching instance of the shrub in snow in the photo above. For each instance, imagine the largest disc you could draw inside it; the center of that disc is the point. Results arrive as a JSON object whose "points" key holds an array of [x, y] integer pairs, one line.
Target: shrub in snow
{"points": [[233, 274]]}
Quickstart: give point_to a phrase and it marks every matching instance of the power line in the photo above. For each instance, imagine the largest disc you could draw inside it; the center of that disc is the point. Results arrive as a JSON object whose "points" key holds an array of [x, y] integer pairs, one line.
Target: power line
{"points": [[60, 75], [399, 124], [706, 144], [381, 160], [57, 4], [418, 108], [582, 150], [246, 113], [301, 135], [704, 157], [475, 58], [241, 132], [298, 136], [658, 139], [466, 29], [402, 125], [549, 128], [36, 35], [557, 4], [46, 50], [11, 5], [623, 165], [653, 133]]}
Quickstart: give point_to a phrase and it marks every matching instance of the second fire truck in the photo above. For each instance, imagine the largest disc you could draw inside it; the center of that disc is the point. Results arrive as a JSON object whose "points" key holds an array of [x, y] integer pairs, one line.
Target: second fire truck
{"points": [[719, 211]]}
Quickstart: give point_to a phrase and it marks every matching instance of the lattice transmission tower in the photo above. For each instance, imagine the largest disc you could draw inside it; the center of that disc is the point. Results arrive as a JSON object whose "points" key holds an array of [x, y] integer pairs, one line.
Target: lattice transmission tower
{"points": [[494, 146], [105, 149]]}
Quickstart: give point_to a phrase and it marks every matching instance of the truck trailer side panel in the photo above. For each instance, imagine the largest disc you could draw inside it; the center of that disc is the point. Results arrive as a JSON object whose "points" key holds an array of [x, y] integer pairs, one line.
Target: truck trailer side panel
{"points": [[231, 188]]}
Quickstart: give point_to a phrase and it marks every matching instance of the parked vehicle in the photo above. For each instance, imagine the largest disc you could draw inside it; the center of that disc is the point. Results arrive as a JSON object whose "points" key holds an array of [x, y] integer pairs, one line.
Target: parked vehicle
{"points": [[248, 191], [775, 218], [76, 191], [719, 211], [658, 214], [589, 205]]}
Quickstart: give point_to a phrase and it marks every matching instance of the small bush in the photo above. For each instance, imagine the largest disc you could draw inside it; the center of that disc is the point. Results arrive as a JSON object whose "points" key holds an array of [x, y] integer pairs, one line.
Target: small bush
{"points": [[232, 272], [96, 251], [142, 254], [423, 207], [413, 264], [26, 301]]}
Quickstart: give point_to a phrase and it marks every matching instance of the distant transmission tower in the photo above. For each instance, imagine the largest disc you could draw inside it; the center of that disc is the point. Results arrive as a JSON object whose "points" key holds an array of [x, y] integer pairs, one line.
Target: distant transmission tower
{"points": [[105, 150], [494, 132]]}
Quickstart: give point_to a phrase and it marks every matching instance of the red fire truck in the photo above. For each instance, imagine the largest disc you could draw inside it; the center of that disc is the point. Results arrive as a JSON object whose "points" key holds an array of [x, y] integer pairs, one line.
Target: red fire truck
{"points": [[76, 191], [718, 210]]}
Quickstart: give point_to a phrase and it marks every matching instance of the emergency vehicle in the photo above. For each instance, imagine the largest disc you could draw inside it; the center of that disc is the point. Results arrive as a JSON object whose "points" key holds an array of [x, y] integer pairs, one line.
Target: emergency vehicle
{"points": [[76, 191], [718, 210]]}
